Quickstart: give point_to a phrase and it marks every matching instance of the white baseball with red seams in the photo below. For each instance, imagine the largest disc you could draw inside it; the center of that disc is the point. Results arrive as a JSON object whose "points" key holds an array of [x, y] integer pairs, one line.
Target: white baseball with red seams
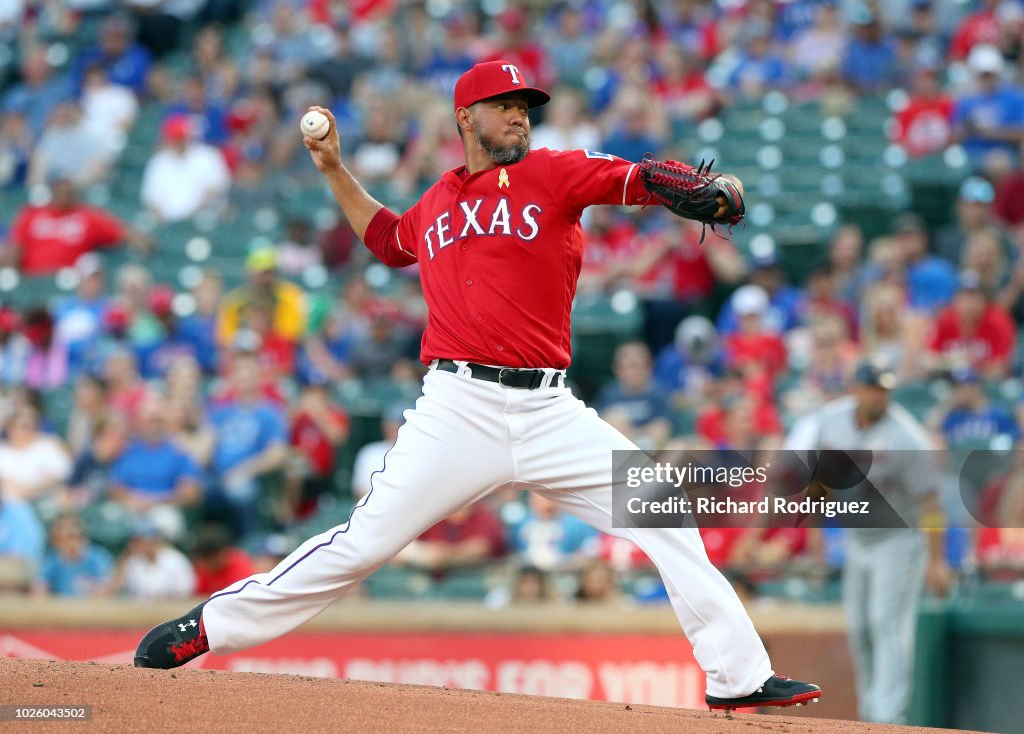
{"points": [[499, 253]]}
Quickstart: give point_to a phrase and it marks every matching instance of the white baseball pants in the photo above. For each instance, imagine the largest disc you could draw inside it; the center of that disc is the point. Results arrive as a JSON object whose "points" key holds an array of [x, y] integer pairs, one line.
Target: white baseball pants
{"points": [[465, 439]]}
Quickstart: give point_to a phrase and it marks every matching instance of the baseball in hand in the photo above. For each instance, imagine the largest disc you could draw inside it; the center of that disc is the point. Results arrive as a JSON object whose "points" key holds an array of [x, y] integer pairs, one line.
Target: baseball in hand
{"points": [[315, 125]]}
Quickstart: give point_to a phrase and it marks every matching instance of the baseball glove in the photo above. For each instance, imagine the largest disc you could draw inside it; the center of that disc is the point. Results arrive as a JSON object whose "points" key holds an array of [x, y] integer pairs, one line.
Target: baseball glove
{"points": [[693, 193]]}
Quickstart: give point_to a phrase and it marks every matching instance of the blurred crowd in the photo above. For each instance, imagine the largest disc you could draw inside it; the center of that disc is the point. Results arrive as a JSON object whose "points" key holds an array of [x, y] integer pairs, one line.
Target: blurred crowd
{"points": [[209, 428]]}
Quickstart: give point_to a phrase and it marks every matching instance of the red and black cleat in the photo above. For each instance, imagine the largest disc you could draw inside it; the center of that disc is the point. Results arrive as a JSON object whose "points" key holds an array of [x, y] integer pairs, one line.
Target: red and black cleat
{"points": [[173, 643], [776, 691]]}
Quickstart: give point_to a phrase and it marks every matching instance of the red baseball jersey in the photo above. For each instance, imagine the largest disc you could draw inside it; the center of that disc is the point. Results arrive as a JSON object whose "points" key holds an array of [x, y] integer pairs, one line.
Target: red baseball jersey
{"points": [[500, 251]]}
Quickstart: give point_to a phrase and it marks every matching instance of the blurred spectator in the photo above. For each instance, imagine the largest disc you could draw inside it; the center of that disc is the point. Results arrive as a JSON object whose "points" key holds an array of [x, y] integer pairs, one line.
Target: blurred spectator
{"points": [[530, 586], [1009, 199], [966, 419], [753, 348], [760, 67], [999, 552], [109, 109], [376, 353], [821, 46], [682, 87], [890, 329], [69, 148], [827, 366], [990, 119], [693, 26], [265, 285], [90, 479], [207, 116], [869, 64], [184, 177], [199, 328], [14, 348], [213, 64], [931, 280], [370, 457], [89, 408], [299, 249], [126, 390], [22, 537], [691, 362], [55, 235], [16, 143], [984, 255], [732, 389], [73, 566], [821, 300], [188, 429], [38, 93], [152, 470], [634, 124], [924, 126], [633, 402], [569, 46], [974, 214], [676, 274], [33, 465], [597, 583], [565, 127], [126, 62], [46, 365], [251, 443], [978, 28], [468, 537], [514, 44], [80, 319], [548, 538], [151, 568], [218, 563], [973, 332], [783, 311], [319, 428]]}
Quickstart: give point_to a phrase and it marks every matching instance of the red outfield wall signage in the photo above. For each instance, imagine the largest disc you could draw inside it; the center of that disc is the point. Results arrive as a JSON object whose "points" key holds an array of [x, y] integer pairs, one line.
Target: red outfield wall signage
{"points": [[648, 669]]}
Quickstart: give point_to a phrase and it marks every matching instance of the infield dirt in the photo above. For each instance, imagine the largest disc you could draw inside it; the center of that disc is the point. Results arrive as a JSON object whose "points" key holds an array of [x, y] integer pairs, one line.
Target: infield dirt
{"points": [[125, 699]]}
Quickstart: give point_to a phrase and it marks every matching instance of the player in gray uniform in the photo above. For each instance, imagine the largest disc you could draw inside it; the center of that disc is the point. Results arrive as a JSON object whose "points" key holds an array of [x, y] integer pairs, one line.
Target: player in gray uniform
{"points": [[885, 566]]}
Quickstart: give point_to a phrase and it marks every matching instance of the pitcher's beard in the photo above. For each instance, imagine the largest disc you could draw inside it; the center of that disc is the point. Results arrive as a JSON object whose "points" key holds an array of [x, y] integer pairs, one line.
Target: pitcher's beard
{"points": [[504, 154]]}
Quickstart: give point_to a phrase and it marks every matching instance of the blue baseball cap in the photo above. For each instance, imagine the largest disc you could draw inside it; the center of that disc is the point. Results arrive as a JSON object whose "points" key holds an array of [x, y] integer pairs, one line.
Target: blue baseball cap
{"points": [[975, 188]]}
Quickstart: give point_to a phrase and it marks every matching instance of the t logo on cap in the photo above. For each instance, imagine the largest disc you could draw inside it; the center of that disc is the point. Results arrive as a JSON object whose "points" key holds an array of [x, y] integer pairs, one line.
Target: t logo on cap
{"points": [[494, 79]]}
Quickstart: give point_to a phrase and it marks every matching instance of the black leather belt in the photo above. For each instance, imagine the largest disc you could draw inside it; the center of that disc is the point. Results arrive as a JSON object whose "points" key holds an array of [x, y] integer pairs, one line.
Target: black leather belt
{"points": [[504, 376]]}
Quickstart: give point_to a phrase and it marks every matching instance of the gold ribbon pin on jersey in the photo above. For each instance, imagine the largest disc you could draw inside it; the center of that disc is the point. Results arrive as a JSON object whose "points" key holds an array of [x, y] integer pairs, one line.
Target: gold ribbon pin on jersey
{"points": [[503, 178]]}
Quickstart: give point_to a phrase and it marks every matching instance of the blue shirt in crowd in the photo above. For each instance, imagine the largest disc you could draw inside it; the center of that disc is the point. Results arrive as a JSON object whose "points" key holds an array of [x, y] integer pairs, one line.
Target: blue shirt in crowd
{"points": [[642, 407], [1002, 108], [153, 468], [963, 426], [244, 431], [79, 576], [21, 533]]}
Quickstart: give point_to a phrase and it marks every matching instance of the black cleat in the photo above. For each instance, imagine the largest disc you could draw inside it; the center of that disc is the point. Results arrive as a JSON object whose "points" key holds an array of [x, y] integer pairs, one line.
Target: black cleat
{"points": [[173, 643], [776, 691]]}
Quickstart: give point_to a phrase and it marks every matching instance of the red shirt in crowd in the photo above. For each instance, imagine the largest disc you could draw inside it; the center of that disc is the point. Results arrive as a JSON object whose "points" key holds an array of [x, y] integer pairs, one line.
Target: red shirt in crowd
{"points": [[924, 126], [482, 522], [767, 351], [990, 345], [1009, 204], [684, 273], [50, 239], [981, 27], [711, 423], [500, 252], [236, 566], [311, 442]]}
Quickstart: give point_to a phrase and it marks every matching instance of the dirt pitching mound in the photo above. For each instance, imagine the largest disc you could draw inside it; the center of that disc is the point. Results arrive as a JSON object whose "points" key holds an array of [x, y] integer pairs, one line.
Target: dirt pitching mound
{"points": [[125, 699]]}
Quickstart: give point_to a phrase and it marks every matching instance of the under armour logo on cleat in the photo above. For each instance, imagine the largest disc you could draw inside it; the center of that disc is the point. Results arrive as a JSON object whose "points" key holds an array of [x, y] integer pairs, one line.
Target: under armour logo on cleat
{"points": [[184, 627]]}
